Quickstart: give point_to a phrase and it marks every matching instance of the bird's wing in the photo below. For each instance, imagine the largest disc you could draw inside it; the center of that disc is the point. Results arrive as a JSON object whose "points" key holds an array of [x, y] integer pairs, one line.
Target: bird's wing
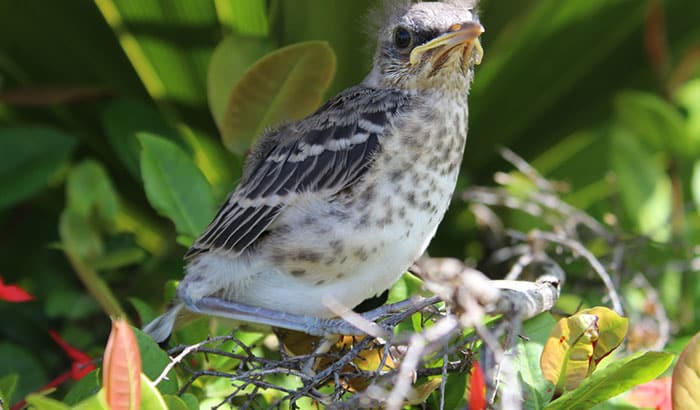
{"points": [[325, 153]]}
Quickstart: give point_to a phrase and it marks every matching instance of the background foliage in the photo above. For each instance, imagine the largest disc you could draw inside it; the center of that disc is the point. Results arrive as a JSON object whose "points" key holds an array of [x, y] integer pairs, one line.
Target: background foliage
{"points": [[111, 160]]}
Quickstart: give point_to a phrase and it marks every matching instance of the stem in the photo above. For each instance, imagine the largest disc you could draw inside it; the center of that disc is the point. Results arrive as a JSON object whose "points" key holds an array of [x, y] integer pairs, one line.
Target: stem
{"points": [[96, 286]]}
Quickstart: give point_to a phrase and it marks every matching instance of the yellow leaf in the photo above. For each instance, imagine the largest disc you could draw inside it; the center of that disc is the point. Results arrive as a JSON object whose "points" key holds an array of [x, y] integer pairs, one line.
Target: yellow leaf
{"points": [[685, 388], [578, 343]]}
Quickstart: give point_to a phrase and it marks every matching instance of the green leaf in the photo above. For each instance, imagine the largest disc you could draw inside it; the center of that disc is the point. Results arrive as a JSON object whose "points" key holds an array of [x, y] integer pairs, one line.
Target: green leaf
{"points": [[337, 23], [8, 384], [174, 185], [285, 85], [123, 119], [616, 378], [39, 401], [87, 386], [695, 184], [644, 186], [29, 157], [79, 235], [221, 167], [119, 258], [170, 53], [688, 97], [94, 402], [191, 401], [143, 309], [69, 304], [455, 389], [20, 361], [153, 362], [653, 121], [89, 190], [408, 285], [247, 17], [537, 390], [231, 58], [151, 397], [174, 403]]}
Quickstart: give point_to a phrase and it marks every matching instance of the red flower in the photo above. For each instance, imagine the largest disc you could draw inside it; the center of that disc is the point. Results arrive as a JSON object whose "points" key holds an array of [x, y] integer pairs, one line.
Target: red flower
{"points": [[477, 388], [655, 394], [13, 293], [82, 364]]}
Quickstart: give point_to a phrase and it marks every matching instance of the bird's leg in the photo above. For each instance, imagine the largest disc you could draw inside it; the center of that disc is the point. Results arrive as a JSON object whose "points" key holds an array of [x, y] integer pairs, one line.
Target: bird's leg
{"points": [[215, 306], [315, 326]]}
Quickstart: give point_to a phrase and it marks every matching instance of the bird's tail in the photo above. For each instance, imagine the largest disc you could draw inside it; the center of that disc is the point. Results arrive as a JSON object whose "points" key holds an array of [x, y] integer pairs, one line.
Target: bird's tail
{"points": [[162, 327]]}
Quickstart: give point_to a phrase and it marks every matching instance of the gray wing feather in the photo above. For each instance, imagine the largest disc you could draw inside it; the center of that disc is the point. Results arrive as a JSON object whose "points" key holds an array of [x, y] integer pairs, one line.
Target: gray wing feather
{"points": [[326, 152]]}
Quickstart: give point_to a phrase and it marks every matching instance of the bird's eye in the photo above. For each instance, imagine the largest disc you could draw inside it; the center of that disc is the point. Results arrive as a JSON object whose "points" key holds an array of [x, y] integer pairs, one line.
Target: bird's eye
{"points": [[402, 38]]}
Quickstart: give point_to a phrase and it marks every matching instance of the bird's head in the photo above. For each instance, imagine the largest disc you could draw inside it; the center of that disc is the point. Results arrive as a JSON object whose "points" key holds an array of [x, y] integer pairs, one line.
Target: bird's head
{"points": [[427, 45]]}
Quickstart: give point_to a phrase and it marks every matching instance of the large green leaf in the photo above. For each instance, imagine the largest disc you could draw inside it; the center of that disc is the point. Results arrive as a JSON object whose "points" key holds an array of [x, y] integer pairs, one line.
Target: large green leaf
{"points": [[654, 121], [79, 235], [88, 386], [89, 189], [230, 60], [168, 43], [618, 377], [29, 157], [695, 184], [175, 186], [688, 97], [154, 360], [8, 384], [16, 359], [644, 186], [537, 390], [285, 85]]}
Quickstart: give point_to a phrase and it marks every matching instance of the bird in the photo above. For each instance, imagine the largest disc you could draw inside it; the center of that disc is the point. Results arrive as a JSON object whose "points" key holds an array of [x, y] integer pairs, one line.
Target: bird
{"points": [[332, 209]]}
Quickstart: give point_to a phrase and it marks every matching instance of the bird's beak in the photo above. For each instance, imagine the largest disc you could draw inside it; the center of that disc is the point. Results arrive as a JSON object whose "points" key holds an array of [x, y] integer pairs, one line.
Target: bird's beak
{"points": [[466, 34]]}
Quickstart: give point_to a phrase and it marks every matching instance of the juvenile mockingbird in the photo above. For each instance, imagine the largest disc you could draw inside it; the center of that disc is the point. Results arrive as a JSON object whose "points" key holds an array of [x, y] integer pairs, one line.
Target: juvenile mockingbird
{"points": [[335, 207]]}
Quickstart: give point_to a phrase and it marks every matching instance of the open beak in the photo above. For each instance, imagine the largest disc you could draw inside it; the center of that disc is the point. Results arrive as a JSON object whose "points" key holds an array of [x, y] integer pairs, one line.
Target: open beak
{"points": [[466, 34]]}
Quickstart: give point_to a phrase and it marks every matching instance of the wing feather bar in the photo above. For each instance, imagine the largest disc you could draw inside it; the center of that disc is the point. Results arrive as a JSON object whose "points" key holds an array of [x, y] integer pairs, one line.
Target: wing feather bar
{"points": [[325, 153]]}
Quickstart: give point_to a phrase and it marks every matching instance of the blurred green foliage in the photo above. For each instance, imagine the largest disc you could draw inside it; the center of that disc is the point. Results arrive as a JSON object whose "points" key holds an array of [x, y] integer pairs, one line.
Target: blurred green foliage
{"points": [[111, 160]]}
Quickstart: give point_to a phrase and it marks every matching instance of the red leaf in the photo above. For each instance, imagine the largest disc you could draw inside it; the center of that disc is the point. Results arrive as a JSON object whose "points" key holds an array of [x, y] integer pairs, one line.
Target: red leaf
{"points": [[477, 388], [121, 371], [13, 293]]}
